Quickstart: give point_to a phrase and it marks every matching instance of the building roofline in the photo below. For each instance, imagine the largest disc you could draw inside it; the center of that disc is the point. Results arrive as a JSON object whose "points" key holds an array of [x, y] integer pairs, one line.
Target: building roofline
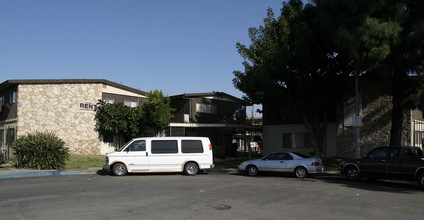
{"points": [[9, 83], [222, 94]]}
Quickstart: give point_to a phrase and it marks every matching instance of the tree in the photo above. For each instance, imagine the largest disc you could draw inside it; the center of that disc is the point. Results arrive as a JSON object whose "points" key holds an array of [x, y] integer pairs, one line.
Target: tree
{"points": [[382, 37], [157, 111], [292, 70], [119, 120]]}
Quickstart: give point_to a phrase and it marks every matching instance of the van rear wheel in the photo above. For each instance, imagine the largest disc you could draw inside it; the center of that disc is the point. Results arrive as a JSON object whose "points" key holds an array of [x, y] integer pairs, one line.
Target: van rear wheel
{"points": [[191, 169]]}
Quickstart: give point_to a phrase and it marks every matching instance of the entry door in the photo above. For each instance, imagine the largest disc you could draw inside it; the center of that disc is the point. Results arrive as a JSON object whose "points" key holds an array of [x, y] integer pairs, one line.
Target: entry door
{"points": [[137, 158]]}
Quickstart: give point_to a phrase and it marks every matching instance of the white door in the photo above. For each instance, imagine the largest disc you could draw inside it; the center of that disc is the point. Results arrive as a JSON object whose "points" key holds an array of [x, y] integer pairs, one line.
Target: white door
{"points": [[137, 158]]}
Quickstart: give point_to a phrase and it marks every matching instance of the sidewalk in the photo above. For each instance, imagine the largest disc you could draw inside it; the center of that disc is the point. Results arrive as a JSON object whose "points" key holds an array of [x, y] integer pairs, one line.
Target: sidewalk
{"points": [[12, 172]]}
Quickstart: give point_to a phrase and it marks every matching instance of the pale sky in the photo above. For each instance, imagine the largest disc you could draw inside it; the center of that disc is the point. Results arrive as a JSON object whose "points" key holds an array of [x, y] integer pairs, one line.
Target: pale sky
{"points": [[178, 46]]}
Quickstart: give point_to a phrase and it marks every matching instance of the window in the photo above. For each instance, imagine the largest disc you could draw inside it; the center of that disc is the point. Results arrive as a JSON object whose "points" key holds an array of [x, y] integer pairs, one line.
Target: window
{"points": [[280, 156], [164, 147], [411, 152], [130, 103], [296, 140], [109, 100], [10, 136], [205, 108], [138, 146], [379, 153], [12, 97], [1, 103], [191, 146]]}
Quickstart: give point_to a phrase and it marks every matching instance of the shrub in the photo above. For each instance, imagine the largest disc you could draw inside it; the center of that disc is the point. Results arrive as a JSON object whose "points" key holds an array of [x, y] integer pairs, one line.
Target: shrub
{"points": [[219, 153], [40, 151]]}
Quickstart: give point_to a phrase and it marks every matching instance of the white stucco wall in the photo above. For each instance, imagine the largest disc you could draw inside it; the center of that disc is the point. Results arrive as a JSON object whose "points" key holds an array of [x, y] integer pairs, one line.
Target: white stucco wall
{"points": [[273, 138]]}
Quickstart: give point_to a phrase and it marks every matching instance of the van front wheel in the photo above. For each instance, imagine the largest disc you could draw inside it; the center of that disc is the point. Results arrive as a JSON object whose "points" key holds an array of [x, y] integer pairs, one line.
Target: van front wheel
{"points": [[191, 169], [119, 169]]}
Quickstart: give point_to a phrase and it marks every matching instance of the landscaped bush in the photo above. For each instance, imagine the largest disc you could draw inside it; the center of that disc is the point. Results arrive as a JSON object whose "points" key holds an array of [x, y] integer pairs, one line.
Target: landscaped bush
{"points": [[219, 153], [40, 151]]}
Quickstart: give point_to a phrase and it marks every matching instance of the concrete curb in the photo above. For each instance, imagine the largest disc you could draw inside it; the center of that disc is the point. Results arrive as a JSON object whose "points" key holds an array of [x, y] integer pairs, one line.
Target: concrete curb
{"points": [[13, 173]]}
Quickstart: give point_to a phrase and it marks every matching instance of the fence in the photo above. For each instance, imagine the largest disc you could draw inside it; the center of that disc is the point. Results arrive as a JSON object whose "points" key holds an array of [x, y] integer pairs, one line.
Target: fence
{"points": [[7, 137], [417, 133]]}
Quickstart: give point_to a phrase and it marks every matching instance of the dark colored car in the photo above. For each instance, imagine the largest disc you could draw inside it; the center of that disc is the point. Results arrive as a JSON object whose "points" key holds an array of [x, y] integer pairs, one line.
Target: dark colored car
{"points": [[394, 162]]}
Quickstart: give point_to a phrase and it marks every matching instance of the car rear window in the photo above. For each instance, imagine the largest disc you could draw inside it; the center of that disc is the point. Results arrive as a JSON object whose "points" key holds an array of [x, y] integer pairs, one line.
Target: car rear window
{"points": [[164, 147], [301, 155], [191, 146]]}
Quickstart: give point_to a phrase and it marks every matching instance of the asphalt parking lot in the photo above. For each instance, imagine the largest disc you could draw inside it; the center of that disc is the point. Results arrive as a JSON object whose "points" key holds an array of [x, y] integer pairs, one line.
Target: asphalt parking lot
{"points": [[217, 195]]}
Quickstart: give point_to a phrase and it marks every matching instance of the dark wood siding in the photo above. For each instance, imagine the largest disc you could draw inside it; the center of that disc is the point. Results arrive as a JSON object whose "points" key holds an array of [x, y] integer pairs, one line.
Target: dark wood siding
{"points": [[222, 111], [9, 110]]}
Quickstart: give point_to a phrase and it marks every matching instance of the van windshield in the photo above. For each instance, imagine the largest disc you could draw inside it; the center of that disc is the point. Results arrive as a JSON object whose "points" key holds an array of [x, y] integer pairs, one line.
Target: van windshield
{"points": [[125, 145]]}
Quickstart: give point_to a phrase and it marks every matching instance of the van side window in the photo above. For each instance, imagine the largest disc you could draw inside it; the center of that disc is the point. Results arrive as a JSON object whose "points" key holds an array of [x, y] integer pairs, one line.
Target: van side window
{"points": [[191, 146], [138, 146], [164, 146]]}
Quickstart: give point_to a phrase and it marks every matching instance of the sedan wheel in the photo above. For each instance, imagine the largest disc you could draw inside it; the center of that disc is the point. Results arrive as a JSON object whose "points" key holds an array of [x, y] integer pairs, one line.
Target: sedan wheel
{"points": [[352, 173], [301, 172], [252, 170]]}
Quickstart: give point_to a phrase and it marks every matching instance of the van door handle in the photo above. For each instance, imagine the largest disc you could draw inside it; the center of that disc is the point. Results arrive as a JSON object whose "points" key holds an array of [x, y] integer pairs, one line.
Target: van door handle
{"points": [[147, 154], [281, 161]]}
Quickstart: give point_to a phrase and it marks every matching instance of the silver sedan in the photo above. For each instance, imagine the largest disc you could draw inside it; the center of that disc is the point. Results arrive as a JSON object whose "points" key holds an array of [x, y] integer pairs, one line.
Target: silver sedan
{"points": [[289, 162]]}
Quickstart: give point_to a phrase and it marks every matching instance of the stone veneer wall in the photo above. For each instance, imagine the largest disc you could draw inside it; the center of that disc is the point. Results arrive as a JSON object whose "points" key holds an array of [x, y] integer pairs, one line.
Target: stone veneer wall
{"points": [[376, 120], [56, 107]]}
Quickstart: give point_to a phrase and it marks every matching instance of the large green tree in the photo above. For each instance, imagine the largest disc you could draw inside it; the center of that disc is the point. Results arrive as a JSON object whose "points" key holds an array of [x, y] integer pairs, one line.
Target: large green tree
{"points": [[126, 122], [157, 111], [292, 70], [383, 37], [119, 120]]}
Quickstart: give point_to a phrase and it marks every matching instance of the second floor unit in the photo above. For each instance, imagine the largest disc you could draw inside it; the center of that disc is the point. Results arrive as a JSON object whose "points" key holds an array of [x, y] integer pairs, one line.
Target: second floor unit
{"points": [[208, 108]]}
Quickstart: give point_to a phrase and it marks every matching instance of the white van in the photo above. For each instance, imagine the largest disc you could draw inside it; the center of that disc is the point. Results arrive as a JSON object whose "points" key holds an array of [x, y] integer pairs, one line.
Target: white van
{"points": [[161, 154]]}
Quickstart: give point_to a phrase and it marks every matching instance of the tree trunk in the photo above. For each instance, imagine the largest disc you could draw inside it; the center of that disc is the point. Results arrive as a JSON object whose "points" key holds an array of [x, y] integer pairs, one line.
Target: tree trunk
{"points": [[397, 114], [318, 131]]}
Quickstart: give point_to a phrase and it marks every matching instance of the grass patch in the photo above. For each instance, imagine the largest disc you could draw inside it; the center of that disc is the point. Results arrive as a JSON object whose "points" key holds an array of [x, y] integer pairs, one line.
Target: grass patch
{"points": [[330, 163], [84, 161], [229, 163], [4, 168]]}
